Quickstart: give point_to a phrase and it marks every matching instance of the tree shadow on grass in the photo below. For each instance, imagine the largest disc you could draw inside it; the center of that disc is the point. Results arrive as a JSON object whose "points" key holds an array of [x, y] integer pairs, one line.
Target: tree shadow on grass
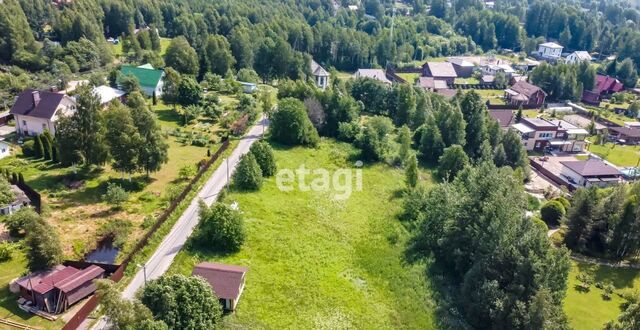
{"points": [[620, 277], [169, 115]]}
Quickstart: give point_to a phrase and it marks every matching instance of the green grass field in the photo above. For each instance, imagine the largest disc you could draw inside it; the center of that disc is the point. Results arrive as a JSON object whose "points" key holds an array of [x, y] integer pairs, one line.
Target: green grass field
{"points": [[116, 50], [620, 155], [409, 77], [588, 310], [316, 262]]}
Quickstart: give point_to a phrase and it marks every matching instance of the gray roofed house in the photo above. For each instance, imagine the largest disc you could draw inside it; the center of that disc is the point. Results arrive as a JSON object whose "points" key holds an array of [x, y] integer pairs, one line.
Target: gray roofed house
{"points": [[377, 74], [431, 84], [37, 111], [320, 74], [440, 70]]}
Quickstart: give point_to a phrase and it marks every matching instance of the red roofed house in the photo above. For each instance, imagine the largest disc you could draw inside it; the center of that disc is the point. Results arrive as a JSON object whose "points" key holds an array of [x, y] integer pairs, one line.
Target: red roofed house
{"points": [[523, 93], [440, 71], [227, 281], [37, 111], [54, 291], [605, 85]]}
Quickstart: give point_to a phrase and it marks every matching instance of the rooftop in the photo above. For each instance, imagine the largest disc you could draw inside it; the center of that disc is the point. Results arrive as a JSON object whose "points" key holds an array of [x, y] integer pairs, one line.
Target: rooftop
{"points": [[504, 117], [537, 123], [318, 70], [442, 69], [377, 74], [146, 77], [40, 104], [551, 45], [225, 280], [627, 131], [525, 88], [431, 83], [591, 167], [107, 93]]}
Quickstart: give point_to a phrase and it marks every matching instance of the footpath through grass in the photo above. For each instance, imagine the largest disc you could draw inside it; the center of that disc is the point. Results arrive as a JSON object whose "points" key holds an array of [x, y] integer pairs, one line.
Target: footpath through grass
{"points": [[317, 262]]}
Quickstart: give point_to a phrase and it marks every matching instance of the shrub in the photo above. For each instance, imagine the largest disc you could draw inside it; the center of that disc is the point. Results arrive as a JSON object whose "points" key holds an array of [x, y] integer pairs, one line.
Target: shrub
{"points": [[248, 175], [291, 125], [28, 148], [533, 203], [18, 222], [5, 251], [187, 172], [115, 195], [564, 202], [220, 227], [552, 212], [119, 230], [43, 249], [348, 131], [264, 156]]}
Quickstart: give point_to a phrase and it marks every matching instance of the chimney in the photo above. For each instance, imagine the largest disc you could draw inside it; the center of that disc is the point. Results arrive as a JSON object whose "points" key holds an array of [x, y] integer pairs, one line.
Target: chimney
{"points": [[36, 98]]}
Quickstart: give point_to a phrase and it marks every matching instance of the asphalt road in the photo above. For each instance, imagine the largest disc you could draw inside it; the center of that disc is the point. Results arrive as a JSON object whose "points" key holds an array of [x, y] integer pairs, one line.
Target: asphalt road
{"points": [[162, 258]]}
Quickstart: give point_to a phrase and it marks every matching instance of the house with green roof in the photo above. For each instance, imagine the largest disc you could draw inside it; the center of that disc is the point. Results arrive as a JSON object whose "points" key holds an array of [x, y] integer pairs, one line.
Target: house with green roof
{"points": [[150, 79]]}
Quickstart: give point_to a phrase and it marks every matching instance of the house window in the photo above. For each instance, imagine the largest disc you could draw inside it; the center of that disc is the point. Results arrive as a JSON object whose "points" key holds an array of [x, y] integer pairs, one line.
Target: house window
{"points": [[44, 126], [24, 123]]}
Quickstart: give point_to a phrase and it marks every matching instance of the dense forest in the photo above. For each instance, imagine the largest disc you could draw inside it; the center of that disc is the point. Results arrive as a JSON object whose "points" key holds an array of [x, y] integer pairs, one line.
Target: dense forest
{"points": [[70, 37]]}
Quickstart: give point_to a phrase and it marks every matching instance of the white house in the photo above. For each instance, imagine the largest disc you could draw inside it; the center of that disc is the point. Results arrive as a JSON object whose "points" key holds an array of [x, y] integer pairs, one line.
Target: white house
{"points": [[37, 111], [492, 69], [590, 172], [550, 50], [320, 75], [578, 56]]}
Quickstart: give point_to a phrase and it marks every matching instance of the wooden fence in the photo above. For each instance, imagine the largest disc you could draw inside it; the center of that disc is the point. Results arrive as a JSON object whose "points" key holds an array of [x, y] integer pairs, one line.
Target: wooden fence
{"points": [[91, 304]]}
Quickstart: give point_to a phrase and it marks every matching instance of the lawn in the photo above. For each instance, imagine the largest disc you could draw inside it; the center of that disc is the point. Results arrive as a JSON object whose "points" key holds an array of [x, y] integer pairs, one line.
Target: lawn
{"points": [[409, 77], [588, 310], [343, 75], [317, 262], [469, 81], [164, 43], [621, 155], [494, 96]]}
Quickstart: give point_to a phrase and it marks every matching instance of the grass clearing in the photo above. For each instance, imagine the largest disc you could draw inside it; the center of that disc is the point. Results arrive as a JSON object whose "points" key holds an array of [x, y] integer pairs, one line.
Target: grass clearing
{"points": [[588, 310], [621, 155], [317, 262], [494, 96], [409, 77]]}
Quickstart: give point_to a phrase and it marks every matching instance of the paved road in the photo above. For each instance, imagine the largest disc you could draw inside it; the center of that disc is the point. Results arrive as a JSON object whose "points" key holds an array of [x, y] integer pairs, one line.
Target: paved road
{"points": [[162, 258]]}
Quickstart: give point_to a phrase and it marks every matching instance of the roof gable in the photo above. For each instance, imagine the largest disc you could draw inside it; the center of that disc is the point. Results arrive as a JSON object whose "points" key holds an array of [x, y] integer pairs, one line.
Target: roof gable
{"points": [[40, 104], [442, 69], [525, 88], [146, 77], [225, 280]]}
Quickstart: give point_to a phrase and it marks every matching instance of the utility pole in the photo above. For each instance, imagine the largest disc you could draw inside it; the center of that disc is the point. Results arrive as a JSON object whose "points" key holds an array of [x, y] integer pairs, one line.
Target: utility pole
{"points": [[144, 271]]}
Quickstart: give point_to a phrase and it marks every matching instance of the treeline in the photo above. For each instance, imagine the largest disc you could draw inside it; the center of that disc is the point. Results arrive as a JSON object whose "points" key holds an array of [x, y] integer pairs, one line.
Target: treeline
{"points": [[605, 222]]}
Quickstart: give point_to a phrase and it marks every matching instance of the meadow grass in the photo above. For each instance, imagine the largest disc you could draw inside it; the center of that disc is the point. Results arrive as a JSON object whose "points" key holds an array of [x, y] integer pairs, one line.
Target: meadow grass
{"points": [[317, 262], [589, 310]]}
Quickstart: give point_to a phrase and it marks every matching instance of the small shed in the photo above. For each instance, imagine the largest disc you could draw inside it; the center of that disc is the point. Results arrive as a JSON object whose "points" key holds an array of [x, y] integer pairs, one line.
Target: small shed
{"points": [[20, 200], [55, 290], [227, 281]]}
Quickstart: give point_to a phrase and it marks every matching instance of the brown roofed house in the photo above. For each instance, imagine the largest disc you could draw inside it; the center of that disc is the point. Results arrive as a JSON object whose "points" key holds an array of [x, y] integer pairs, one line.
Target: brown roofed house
{"points": [[504, 117], [590, 172], [523, 93], [626, 135], [227, 281], [440, 70], [37, 111]]}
